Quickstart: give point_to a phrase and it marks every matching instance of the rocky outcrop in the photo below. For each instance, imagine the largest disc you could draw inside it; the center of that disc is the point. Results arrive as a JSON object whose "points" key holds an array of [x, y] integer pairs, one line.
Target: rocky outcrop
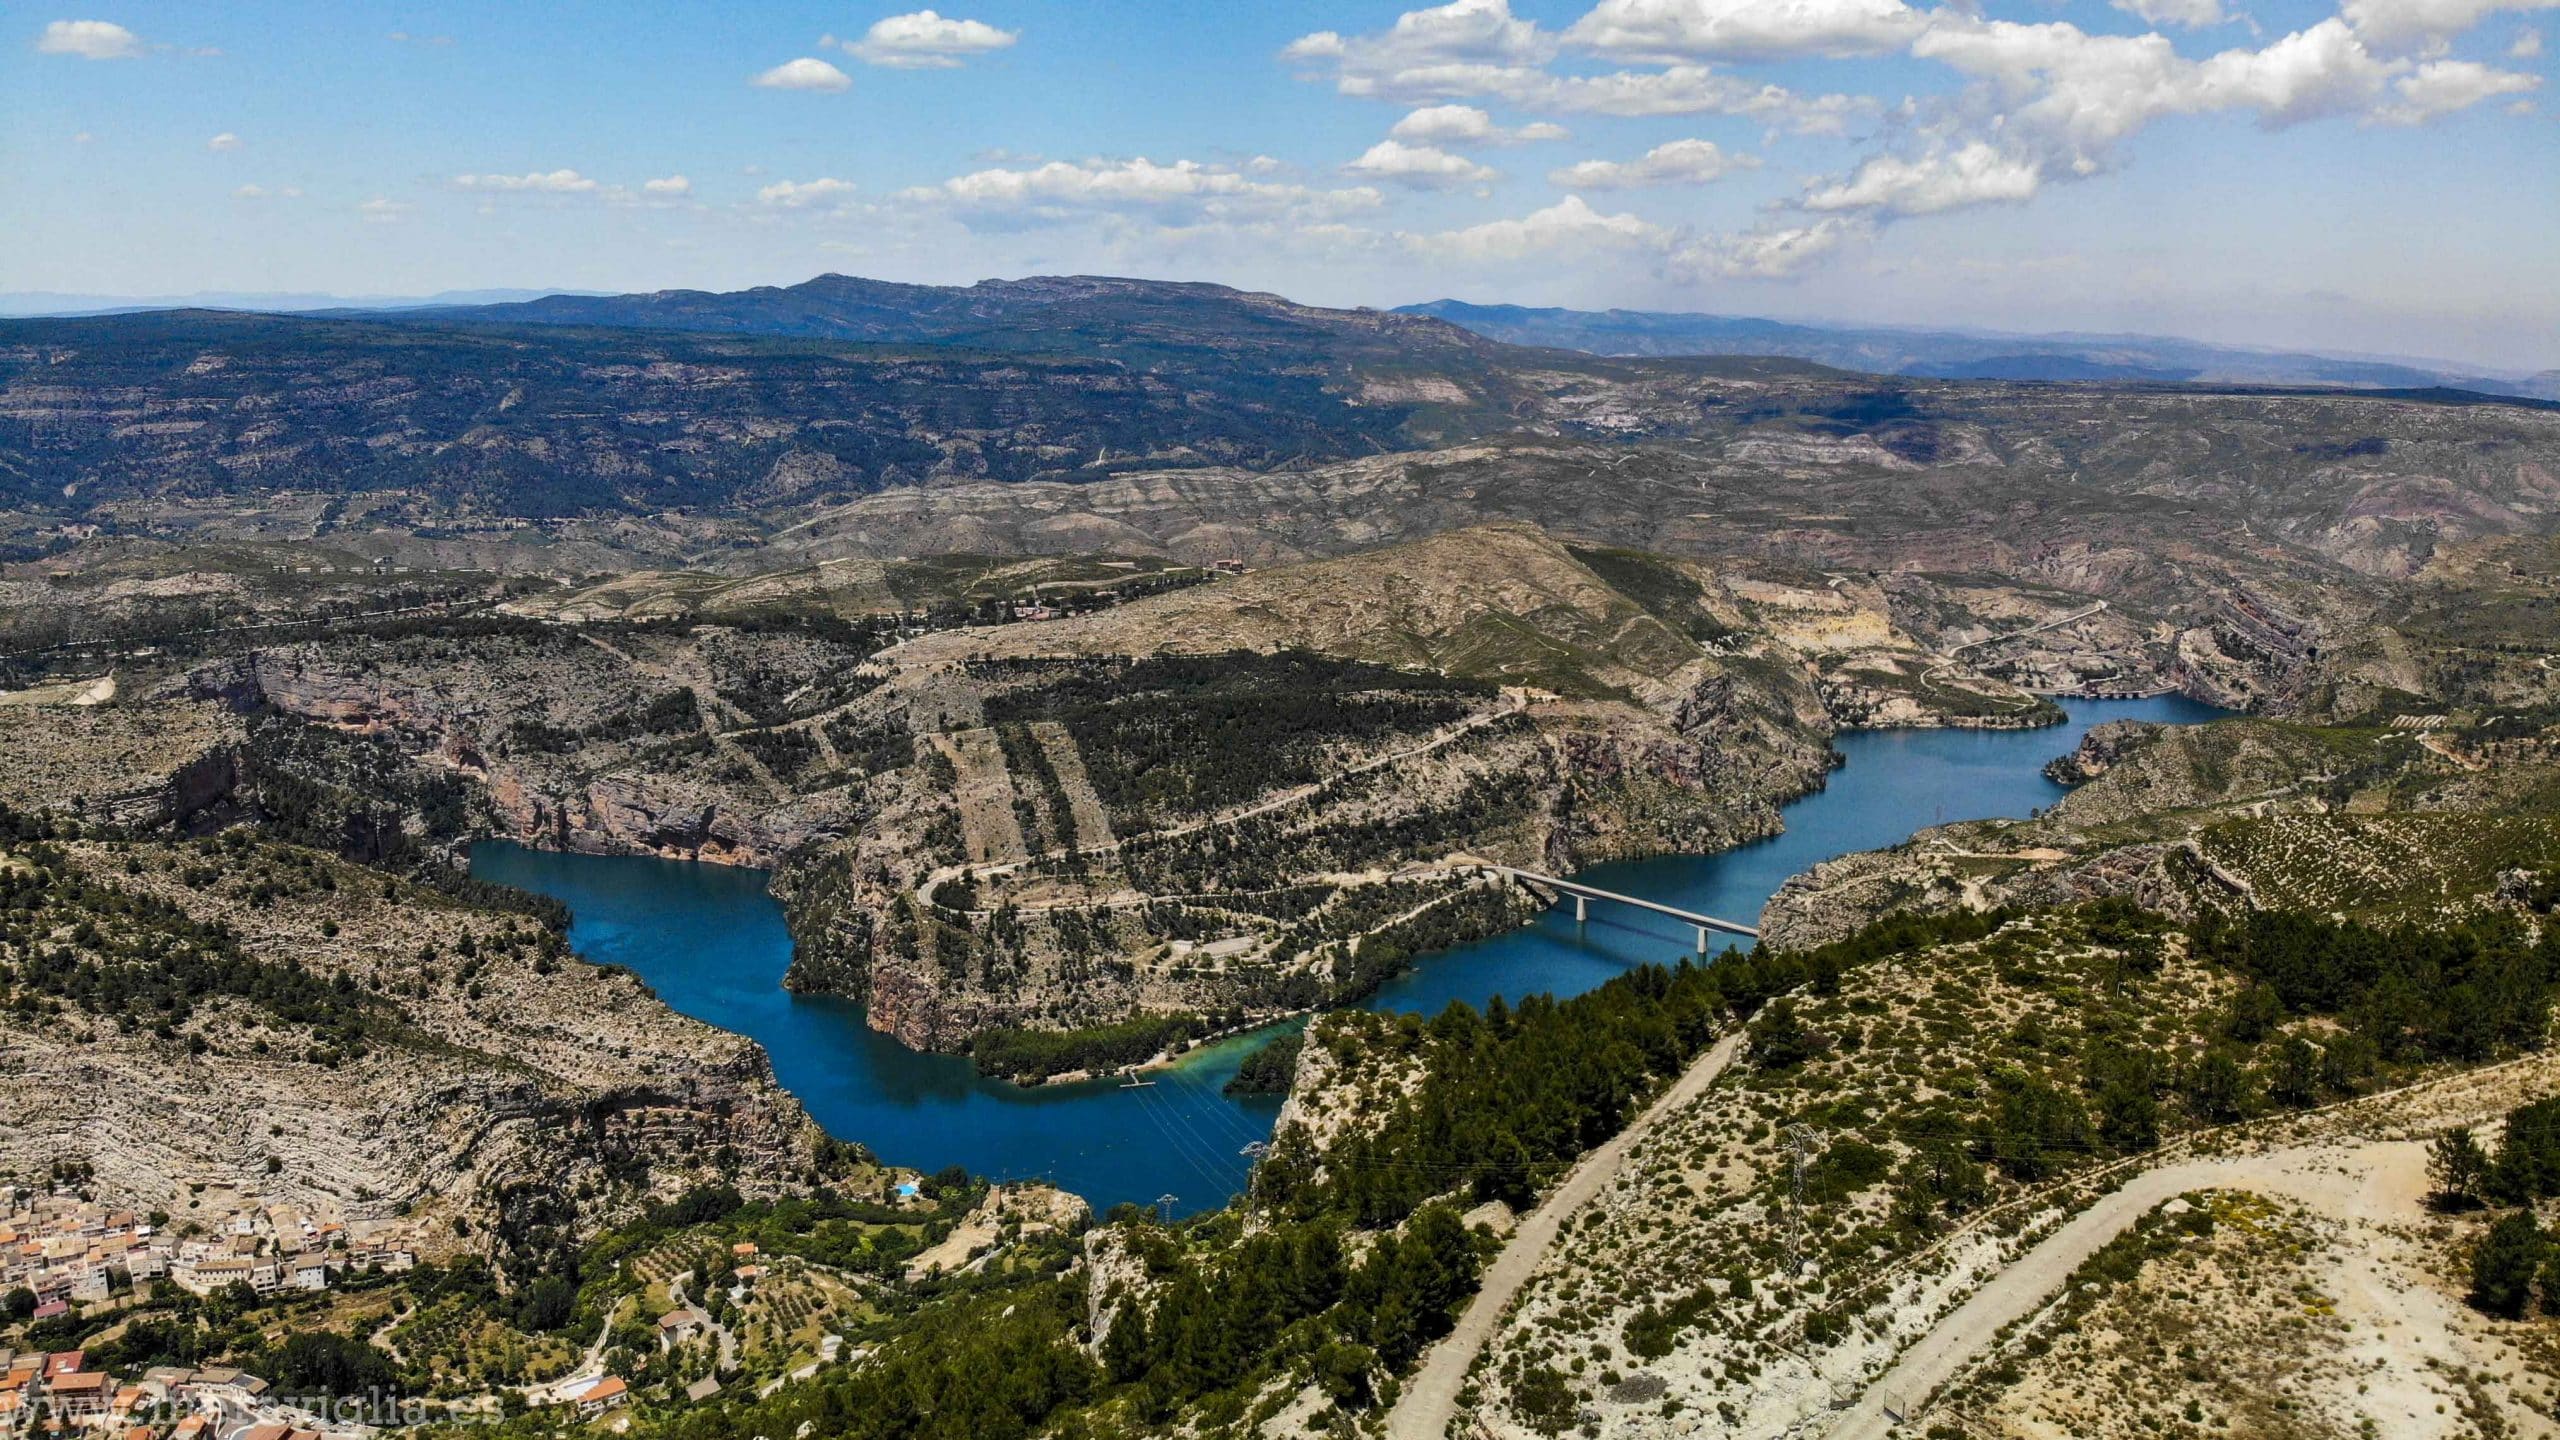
{"points": [[2100, 749], [632, 815]]}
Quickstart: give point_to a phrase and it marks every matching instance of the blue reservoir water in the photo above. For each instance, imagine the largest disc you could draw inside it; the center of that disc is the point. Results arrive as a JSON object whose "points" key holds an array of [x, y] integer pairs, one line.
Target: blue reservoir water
{"points": [[712, 943]]}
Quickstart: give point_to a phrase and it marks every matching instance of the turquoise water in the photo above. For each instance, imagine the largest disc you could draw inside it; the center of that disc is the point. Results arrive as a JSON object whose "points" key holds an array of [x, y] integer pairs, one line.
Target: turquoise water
{"points": [[712, 943]]}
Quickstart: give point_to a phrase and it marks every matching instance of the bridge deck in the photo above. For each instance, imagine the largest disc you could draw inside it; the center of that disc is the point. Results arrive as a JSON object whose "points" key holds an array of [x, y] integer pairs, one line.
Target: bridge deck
{"points": [[1576, 887]]}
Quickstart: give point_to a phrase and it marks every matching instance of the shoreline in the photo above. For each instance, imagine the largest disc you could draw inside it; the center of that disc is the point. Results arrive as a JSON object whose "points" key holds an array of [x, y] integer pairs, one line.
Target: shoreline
{"points": [[1163, 1061]]}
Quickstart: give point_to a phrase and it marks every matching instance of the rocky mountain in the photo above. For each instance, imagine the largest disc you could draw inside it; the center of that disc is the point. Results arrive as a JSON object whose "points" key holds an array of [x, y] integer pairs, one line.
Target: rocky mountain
{"points": [[1200, 802], [1964, 355]]}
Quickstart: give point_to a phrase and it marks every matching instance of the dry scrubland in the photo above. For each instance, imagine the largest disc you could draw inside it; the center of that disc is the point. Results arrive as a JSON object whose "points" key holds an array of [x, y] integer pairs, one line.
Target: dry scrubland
{"points": [[1949, 1096]]}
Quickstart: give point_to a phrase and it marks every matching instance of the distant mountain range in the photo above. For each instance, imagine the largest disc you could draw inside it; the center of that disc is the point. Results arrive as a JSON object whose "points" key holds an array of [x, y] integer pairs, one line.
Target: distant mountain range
{"points": [[1086, 315], [781, 398], [48, 302], [1100, 315], [1966, 355], [640, 403]]}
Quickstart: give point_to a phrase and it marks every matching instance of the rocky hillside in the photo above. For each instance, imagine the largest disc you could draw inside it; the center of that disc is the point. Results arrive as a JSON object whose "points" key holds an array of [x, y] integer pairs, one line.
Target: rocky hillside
{"points": [[1198, 803], [445, 421], [2228, 818], [1903, 1182], [765, 406], [236, 1022], [2240, 542], [2264, 548], [703, 743]]}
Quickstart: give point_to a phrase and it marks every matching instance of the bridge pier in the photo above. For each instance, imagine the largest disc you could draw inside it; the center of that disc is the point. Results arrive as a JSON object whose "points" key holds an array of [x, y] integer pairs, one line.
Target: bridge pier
{"points": [[1581, 908], [1702, 942]]}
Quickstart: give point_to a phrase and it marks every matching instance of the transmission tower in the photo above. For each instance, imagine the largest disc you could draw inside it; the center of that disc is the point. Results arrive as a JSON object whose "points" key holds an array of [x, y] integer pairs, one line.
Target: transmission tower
{"points": [[1802, 1142]]}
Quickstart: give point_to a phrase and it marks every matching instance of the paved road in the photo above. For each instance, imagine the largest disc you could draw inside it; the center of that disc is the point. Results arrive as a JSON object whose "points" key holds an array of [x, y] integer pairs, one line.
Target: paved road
{"points": [[725, 1361], [1429, 1405], [590, 1367]]}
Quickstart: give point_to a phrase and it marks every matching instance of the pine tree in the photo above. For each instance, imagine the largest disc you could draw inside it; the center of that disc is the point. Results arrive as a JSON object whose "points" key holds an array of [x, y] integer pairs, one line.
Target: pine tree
{"points": [[2459, 1167]]}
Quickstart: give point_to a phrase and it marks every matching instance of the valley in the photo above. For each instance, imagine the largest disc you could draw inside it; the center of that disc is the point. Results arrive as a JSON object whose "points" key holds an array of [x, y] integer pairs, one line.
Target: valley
{"points": [[1112, 678]]}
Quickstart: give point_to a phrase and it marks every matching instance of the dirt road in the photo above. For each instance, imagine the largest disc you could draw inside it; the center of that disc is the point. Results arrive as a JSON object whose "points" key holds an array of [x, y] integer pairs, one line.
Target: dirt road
{"points": [[1430, 1403], [2383, 1179]]}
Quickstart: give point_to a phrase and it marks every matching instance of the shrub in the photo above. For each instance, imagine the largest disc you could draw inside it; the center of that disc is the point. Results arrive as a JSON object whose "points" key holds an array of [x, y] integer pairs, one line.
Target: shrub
{"points": [[2505, 1266]]}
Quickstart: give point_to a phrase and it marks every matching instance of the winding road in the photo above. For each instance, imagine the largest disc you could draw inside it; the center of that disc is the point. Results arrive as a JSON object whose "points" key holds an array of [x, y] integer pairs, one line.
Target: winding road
{"points": [[1935, 675], [1429, 1404], [2379, 1180]]}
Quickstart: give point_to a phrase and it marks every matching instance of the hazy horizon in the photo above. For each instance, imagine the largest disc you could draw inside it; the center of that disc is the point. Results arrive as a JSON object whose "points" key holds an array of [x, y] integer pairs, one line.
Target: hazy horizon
{"points": [[23, 305]]}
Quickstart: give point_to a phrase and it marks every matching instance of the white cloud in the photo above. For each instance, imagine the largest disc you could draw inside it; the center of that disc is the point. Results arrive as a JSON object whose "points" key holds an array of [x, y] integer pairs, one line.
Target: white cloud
{"points": [[1465, 31], [1680, 162], [403, 37], [2046, 102], [89, 39], [1423, 167], [671, 185], [805, 73], [802, 194], [553, 182], [1183, 189], [1773, 251], [2528, 44], [261, 192], [2441, 87], [1947, 179], [1678, 90], [223, 143], [1479, 49], [1664, 30], [925, 40], [379, 211], [1467, 125], [1570, 223], [2069, 98], [2398, 25], [2325, 70], [1696, 90], [2193, 14], [2054, 103]]}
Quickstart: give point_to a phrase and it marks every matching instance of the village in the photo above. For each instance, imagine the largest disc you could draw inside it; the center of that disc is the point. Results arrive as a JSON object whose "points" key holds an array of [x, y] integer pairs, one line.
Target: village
{"points": [[66, 1252], [81, 1281], [56, 1393], [61, 1256]]}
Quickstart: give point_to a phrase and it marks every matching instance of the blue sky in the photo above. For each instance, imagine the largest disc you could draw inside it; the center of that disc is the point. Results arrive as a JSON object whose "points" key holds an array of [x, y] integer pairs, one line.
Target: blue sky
{"points": [[2380, 175]]}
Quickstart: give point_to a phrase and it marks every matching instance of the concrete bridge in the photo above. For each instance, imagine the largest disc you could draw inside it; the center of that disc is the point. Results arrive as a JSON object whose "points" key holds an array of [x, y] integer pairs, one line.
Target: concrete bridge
{"points": [[1583, 895]]}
